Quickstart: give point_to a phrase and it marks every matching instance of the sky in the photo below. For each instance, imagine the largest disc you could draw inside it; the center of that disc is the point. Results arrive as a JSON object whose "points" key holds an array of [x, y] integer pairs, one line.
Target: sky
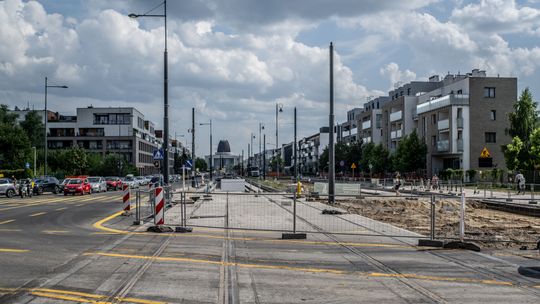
{"points": [[234, 60]]}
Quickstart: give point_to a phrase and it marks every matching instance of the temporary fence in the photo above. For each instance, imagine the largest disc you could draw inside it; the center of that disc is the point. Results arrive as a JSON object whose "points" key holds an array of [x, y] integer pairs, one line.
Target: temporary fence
{"points": [[145, 203]]}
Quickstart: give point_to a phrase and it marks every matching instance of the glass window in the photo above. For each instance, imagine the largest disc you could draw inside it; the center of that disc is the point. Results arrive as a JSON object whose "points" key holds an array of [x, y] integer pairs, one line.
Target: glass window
{"points": [[493, 115], [489, 92], [491, 137]]}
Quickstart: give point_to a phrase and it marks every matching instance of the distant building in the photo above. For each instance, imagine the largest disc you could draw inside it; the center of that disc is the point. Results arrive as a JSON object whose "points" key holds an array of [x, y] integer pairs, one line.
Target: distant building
{"points": [[123, 131], [223, 159]]}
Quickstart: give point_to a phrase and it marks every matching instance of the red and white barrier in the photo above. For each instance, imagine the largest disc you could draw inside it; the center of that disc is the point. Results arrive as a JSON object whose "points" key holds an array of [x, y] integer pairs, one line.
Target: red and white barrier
{"points": [[160, 204], [126, 198]]}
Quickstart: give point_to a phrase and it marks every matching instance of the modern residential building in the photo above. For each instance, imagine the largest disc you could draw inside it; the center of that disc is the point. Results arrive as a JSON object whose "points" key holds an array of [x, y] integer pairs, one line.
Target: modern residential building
{"points": [[370, 121], [123, 131], [398, 113], [349, 129], [465, 116]]}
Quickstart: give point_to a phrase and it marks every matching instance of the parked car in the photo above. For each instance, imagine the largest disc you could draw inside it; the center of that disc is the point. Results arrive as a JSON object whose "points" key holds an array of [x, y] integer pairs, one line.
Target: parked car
{"points": [[141, 180], [97, 184], [63, 183], [131, 181], [46, 184], [113, 183], [77, 185], [7, 187]]}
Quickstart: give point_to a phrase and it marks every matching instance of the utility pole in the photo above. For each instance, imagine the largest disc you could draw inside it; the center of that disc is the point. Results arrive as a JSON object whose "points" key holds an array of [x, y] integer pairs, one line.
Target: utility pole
{"points": [[295, 150], [242, 163], [331, 155], [264, 158], [193, 147], [249, 157]]}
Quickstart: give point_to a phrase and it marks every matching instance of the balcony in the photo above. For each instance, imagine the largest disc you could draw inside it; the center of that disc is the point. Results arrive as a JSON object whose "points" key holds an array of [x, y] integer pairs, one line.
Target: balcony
{"points": [[366, 124], [443, 145], [443, 124], [454, 99], [460, 122], [366, 139], [396, 116], [354, 131], [395, 134], [460, 145]]}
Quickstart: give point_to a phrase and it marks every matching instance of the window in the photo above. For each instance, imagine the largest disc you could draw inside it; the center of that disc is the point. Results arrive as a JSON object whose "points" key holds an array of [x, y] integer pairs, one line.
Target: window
{"points": [[489, 92], [459, 113], [460, 91], [409, 91], [433, 119], [112, 119], [434, 140], [493, 115], [491, 137]]}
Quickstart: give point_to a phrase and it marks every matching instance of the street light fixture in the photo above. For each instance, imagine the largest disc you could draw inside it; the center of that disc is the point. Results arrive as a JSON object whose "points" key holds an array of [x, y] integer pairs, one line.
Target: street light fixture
{"points": [[211, 160], [165, 90], [47, 118], [261, 127]]}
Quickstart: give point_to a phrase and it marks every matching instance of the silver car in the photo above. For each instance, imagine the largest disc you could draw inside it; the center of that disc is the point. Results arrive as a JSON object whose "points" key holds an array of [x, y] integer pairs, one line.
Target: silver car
{"points": [[7, 187], [97, 184]]}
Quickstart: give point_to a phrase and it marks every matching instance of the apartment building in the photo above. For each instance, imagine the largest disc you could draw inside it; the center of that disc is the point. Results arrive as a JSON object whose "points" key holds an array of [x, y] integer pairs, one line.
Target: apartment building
{"points": [[349, 130], [370, 121], [464, 116], [398, 114], [123, 131]]}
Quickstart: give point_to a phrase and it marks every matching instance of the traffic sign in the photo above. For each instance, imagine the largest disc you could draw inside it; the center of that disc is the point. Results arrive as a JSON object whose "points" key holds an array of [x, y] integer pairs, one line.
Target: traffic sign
{"points": [[342, 163], [485, 153], [156, 163], [27, 165], [189, 164], [353, 166], [158, 154]]}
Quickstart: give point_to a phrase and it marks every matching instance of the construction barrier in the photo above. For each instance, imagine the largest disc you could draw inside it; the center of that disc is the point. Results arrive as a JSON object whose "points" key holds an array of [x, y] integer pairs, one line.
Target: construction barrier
{"points": [[126, 198], [160, 206]]}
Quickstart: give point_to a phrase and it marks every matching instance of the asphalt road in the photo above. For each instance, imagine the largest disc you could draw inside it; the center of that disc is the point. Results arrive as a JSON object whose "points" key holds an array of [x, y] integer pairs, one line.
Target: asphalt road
{"points": [[56, 249]]}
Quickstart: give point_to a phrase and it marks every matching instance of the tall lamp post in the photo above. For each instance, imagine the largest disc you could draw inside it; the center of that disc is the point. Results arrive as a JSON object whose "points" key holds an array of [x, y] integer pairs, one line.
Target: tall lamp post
{"points": [[261, 127], [279, 109], [252, 153], [210, 162], [165, 90], [47, 118]]}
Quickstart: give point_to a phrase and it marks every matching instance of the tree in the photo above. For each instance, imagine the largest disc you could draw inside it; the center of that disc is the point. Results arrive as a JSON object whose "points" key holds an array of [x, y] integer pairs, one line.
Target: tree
{"points": [[76, 161], [410, 155], [522, 124], [275, 162], [200, 164], [15, 148], [34, 129]]}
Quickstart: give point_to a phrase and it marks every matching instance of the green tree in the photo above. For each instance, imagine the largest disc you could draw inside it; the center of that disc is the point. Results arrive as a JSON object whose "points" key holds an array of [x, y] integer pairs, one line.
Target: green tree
{"points": [[76, 161], [275, 162], [522, 124], [34, 129], [410, 155], [200, 164], [15, 148]]}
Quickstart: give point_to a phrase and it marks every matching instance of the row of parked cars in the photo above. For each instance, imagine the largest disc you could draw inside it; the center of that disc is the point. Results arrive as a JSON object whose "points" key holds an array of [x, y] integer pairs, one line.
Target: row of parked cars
{"points": [[74, 185]]}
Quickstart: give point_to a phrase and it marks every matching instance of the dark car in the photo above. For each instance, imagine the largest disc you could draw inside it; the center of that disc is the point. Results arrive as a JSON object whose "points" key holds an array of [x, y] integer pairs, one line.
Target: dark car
{"points": [[47, 184]]}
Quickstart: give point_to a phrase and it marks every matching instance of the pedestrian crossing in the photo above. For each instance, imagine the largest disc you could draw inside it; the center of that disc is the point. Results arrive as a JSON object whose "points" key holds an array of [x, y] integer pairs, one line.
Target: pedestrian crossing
{"points": [[16, 203]]}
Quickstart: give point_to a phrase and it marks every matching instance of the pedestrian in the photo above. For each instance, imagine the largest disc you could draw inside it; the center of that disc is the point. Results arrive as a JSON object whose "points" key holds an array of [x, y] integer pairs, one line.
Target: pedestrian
{"points": [[520, 182], [397, 183], [435, 182]]}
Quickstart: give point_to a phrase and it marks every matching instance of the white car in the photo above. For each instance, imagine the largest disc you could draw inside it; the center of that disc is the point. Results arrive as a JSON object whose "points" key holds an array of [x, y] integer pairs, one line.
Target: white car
{"points": [[141, 180], [97, 184], [131, 181]]}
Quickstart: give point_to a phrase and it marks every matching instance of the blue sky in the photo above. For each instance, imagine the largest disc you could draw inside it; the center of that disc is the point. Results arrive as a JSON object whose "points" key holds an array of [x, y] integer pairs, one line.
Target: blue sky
{"points": [[233, 60]]}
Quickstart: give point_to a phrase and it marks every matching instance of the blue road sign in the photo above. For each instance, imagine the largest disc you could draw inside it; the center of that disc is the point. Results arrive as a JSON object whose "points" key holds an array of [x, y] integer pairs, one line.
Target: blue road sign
{"points": [[189, 164], [158, 154]]}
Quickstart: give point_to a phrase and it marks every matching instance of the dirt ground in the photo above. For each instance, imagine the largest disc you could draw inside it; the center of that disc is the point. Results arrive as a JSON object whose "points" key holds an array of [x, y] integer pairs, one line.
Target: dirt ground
{"points": [[482, 224]]}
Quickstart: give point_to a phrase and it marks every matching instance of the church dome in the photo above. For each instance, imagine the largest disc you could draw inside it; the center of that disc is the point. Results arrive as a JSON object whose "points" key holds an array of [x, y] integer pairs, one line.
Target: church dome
{"points": [[223, 147]]}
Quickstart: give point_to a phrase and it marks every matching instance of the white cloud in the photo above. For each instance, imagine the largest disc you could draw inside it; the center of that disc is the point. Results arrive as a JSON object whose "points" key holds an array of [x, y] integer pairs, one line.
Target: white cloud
{"points": [[395, 75], [498, 16]]}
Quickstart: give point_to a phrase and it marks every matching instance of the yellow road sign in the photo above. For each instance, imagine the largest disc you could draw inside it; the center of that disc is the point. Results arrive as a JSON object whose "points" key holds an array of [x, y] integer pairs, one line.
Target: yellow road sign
{"points": [[485, 153], [353, 166]]}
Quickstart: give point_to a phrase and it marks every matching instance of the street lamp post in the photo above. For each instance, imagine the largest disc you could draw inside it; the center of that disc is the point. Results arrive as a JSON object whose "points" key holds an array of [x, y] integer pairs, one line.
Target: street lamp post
{"points": [[279, 108], [210, 162], [165, 92], [261, 127], [47, 118], [252, 153]]}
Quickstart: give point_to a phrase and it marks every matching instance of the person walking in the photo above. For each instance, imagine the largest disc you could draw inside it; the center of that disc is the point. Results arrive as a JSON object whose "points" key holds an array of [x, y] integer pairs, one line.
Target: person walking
{"points": [[397, 183], [520, 182]]}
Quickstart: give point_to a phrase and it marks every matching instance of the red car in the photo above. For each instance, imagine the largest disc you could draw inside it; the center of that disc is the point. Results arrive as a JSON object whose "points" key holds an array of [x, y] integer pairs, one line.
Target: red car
{"points": [[113, 183], [77, 185]]}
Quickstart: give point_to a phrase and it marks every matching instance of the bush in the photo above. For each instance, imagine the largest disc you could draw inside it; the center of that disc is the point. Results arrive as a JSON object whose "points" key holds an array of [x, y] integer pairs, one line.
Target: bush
{"points": [[471, 175], [17, 173], [458, 174]]}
